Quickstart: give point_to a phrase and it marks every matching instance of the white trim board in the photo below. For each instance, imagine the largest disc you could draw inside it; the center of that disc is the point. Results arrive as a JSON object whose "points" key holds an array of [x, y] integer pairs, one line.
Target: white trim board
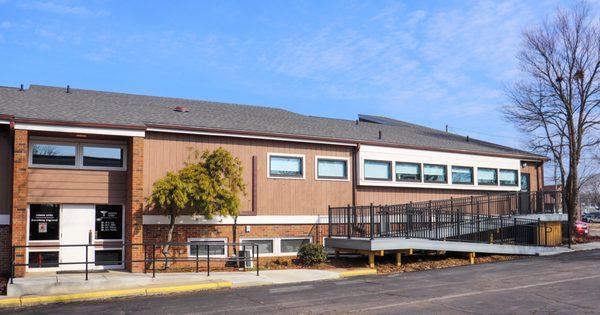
{"points": [[236, 135], [86, 130], [4, 219], [244, 220], [4, 122]]}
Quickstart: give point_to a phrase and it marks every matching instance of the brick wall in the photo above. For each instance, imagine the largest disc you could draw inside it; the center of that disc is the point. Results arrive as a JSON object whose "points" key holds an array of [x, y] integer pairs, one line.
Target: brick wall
{"points": [[135, 203], [19, 198], [158, 234], [5, 249]]}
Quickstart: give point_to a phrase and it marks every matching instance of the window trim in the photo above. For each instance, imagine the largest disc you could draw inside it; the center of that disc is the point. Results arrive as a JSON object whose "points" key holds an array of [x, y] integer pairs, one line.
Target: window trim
{"points": [[518, 179], [204, 239], [420, 180], [472, 175], [435, 182], [391, 172], [301, 156], [103, 145], [78, 153], [485, 184], [117, 266], [282, 253], [332, 158]]}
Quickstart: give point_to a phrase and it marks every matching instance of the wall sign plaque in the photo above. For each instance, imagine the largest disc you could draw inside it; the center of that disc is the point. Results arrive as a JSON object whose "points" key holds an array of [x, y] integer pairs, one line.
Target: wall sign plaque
{"points": [[109, 222]]}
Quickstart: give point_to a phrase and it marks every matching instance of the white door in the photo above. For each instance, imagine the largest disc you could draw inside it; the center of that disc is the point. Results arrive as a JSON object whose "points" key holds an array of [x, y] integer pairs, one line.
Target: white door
{"points": [[76, 227]]}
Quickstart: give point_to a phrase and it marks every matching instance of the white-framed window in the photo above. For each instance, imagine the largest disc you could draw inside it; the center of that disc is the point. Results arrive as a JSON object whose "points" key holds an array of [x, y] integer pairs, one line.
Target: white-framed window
{"points": [[435, 173], [266, 246], [277, 246], [509, 177], [217, 247], [377, 170], [462, 175], [331, 168], [288, 166], [408, 172], [72, 154], [487, 176], [291, 245]]}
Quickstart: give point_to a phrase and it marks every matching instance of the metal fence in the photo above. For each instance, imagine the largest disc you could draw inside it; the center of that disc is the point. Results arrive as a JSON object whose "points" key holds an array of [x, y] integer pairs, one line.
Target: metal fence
{"points": [[487, 219], [198, 253]]}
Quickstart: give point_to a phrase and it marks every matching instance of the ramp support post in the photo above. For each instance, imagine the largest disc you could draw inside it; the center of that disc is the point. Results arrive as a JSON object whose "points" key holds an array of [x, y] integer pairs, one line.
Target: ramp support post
{"points": [[372, 260], [398, 259], [472, 258]]}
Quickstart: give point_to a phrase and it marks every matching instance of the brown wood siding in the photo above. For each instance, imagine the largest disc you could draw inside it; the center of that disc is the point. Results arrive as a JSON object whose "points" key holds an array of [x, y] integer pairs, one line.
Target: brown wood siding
{"points": [[167, 152], [77, 186], [398, 195], [5, 171]]}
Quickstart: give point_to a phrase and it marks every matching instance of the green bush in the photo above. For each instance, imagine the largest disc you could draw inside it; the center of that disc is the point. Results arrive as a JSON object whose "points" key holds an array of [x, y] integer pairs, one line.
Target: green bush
{"points": [[312, 254]]}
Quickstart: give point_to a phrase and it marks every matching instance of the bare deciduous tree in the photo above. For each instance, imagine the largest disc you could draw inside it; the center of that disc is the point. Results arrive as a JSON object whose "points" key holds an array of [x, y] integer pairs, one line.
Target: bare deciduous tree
{"points": [[558, 100]]}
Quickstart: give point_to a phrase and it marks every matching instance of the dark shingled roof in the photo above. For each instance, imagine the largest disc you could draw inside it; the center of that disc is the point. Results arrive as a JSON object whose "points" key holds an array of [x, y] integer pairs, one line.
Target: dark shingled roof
{"points": [[86, 106]]}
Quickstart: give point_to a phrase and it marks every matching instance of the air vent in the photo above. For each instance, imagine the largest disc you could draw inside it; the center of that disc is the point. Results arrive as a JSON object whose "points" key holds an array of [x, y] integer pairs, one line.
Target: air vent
{"points": [[181, 109]]}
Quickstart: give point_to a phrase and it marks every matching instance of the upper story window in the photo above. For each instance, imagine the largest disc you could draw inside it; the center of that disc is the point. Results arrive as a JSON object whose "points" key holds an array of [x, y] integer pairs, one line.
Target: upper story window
{"points": [[66, 154], [102, 156], [408, 172], [435, 173], [378, 170], [462, 175], [509, 177], [487, 176], [332, 168], [286, 166], [53, 154]]}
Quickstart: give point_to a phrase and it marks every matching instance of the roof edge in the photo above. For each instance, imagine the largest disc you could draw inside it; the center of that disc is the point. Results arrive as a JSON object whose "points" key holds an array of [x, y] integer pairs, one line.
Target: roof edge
{"points": [[324, 139]]}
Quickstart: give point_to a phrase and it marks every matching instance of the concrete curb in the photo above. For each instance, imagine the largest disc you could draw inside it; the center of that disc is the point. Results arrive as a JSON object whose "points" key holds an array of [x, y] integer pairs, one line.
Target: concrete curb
{"points": [[358, 272], [87, 296]]}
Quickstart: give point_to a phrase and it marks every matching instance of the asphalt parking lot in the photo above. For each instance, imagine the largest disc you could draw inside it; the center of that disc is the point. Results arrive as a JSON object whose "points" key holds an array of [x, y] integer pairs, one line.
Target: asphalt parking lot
{"points": [[567, 283]]}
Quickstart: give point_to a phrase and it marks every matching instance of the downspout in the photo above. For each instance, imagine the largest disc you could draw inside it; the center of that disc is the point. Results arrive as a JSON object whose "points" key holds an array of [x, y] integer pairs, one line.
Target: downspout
{"points": [[355, 172]]}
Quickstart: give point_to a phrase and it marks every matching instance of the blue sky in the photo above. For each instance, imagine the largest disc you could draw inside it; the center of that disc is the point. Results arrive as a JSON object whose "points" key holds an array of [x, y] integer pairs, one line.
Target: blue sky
{"points": [[428, 62]]}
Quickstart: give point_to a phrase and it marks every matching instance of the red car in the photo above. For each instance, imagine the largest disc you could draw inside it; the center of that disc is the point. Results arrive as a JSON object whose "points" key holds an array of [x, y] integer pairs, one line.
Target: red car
{"points": [[581, 228]]}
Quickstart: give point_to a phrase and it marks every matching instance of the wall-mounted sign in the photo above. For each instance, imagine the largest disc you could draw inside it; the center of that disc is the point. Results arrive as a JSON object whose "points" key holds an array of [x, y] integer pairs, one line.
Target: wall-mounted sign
{"points": [[44, 222], [109, 222]]}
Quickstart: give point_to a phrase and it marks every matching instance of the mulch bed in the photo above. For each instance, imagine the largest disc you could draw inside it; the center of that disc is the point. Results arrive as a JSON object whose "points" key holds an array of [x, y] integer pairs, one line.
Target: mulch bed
{"points": [[3, 283]]}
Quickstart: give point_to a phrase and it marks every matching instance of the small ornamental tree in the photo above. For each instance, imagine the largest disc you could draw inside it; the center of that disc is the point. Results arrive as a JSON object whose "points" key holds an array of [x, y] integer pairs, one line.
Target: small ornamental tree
{"points": [[208, 185]]}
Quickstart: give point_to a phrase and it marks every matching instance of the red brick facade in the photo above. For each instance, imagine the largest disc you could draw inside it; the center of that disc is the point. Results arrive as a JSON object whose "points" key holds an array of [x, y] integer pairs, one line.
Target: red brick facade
{"points": [[135, 203], [158, 234], [19, 198]]}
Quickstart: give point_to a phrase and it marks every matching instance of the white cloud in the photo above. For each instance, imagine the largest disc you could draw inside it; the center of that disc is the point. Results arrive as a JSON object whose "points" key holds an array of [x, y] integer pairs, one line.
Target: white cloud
{"points": [[62, 8]]}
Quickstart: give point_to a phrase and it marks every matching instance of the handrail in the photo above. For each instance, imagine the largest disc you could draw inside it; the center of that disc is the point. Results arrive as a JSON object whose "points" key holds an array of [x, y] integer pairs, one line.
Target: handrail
{"points": [[488, 218], [152, 259]]}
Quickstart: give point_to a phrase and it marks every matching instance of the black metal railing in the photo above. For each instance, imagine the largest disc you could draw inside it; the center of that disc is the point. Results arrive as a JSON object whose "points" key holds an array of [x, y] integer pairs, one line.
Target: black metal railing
{"points": [[489, 219], [152, 254]]}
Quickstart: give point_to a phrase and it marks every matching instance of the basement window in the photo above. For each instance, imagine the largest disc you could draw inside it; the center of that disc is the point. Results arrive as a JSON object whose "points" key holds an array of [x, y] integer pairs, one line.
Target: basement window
{"points": [[216, 247]]}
